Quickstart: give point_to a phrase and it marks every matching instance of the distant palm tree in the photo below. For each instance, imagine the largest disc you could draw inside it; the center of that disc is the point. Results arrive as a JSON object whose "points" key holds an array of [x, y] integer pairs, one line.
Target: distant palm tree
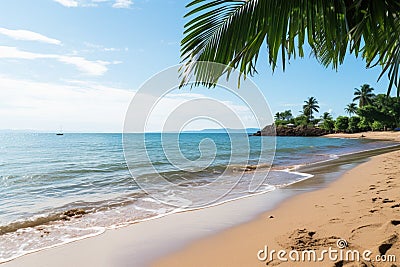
{"points": [[286, 115], [326, 116], [364, 95], [277, 116], [351, 109], [311, 105]]}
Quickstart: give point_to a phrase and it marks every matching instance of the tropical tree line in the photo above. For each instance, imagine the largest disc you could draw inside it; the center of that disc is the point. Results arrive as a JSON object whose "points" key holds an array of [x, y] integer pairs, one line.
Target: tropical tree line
{"points": [[305, 118], [367, 112]]}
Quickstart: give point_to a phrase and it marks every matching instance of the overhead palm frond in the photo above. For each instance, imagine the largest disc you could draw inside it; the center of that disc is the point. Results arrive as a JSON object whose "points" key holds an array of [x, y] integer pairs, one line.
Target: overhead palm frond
{"points": [[232, 32]]}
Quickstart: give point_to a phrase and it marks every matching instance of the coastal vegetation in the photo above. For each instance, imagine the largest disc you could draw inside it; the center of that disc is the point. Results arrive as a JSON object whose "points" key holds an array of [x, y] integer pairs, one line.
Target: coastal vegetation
{"points": [[367, 112]]}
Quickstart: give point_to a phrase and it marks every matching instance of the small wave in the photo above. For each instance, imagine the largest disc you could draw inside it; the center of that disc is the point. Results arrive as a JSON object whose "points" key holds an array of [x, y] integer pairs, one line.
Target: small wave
{"points": [[36, 221], [93, 231], [304, 176]]}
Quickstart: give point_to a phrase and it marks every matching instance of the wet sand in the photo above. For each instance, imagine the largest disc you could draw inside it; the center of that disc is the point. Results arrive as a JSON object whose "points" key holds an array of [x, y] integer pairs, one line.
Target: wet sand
{"points": [[362, 208]]}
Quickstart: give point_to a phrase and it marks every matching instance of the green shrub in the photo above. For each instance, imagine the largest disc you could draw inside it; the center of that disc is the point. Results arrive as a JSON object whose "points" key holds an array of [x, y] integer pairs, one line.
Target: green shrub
{"points": [[328, 125], [363, 125], [353, 124], [377, 126], [301, 120], [342, 123]]}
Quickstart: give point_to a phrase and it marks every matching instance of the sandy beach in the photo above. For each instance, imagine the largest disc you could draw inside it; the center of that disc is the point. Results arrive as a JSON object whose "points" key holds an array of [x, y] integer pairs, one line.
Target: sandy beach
{"points": [[362, 209], [391, 136]]}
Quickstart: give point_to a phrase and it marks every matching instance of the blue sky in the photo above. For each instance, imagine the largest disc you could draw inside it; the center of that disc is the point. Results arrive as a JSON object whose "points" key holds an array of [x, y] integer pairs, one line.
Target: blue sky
{"points": [[77, 63]]}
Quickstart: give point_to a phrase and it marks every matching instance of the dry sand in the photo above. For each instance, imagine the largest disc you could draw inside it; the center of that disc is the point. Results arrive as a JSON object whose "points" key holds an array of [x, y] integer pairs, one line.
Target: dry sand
{"points": [[362, 207], [392, 136]]}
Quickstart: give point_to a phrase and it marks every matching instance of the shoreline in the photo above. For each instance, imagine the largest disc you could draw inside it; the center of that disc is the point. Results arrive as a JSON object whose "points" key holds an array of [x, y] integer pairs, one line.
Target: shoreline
{"points": [[362, 201], [112, 244], [379, 135]]}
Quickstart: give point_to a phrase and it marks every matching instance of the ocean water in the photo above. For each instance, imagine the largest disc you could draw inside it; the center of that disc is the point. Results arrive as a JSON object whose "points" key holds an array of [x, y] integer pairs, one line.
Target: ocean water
{"points": [[43, 176]]}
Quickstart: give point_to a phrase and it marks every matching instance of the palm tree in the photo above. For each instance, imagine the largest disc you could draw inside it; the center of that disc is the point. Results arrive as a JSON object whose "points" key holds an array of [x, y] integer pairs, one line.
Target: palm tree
{"points": [[277, 116], [363, 95], [232, 32], [351, 109], [311, 105], [286, 115], [326, 116]]}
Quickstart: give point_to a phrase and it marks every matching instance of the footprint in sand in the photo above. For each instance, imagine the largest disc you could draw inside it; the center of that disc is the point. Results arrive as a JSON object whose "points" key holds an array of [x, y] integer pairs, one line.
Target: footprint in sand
{"points": [[344, 263], [364, 231], [387, 244], [395, 222], [362, 235], [303, 239], [386, 200]]}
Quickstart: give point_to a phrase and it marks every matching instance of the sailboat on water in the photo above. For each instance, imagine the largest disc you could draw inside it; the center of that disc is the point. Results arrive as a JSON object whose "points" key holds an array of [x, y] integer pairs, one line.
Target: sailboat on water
{"points": [[60, 132]]}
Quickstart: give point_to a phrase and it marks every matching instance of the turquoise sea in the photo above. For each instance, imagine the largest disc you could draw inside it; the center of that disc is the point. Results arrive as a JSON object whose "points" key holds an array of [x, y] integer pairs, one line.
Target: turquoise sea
{"points": [[43, 176]]}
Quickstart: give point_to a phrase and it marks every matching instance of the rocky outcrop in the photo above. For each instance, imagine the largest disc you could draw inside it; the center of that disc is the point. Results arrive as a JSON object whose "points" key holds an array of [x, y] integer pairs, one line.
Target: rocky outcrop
{"points": [[271, 130]]}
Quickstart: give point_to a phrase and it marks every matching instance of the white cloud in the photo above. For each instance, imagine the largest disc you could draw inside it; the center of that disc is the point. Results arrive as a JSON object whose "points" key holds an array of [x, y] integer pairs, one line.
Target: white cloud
{"points": [[67, 3], [122, 4], [25, 35], [95, 68], [111, 49], [84, 106], [13, 52], [94, 3], [79, 106], [292, 105], [97, 47]]}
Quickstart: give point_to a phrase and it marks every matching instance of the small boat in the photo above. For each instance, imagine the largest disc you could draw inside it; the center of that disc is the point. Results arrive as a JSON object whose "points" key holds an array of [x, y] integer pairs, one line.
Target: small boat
{"points": [[60, 132]]}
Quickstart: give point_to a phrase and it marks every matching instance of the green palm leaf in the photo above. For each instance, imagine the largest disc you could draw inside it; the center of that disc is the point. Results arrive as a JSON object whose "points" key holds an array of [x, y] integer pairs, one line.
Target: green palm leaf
{"points": [[233, 33]]}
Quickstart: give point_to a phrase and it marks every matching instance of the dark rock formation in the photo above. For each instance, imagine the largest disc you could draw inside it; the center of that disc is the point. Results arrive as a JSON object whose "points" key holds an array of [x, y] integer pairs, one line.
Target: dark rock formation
{"points": [[74, 213], [271, 130]]}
